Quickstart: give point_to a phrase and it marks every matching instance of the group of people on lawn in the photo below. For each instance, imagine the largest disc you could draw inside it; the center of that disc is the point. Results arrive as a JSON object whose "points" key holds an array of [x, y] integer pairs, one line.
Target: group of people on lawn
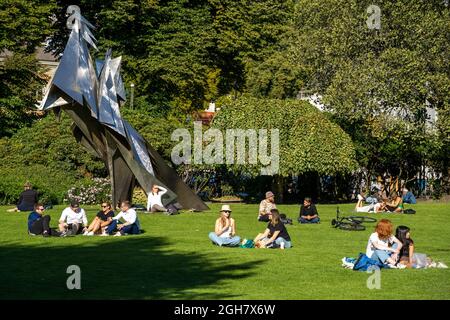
{"points": [[274, 236], [392, 204], [382, 245], [74, 221]]}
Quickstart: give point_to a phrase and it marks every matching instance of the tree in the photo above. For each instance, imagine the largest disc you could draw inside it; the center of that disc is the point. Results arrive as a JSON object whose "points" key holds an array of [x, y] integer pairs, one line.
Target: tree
{"points": [[25, 25], [308, 141]]}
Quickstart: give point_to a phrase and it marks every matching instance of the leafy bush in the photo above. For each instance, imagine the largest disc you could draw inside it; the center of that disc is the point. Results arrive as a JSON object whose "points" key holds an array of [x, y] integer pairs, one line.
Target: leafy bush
{"points": [[51, 185], [93, 191]]}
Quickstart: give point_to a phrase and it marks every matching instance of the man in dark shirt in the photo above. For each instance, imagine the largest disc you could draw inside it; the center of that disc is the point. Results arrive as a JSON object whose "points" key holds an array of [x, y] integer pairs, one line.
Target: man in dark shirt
{"points": [[40, 224], [308, 212]]}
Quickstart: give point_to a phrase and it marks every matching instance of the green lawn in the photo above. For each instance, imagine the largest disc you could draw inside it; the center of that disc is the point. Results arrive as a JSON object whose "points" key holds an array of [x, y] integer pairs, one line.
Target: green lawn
{"points": [[173, 259]]}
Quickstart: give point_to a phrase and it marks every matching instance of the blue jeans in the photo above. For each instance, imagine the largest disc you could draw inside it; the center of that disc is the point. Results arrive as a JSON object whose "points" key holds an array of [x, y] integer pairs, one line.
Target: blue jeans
{"points": [[130, 229], [277, 243], [224, 242], [382, 255], [303, 220]]}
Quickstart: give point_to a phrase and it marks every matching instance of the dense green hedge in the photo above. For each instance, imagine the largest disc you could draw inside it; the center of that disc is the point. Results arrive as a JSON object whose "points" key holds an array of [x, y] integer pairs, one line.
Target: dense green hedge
{"points": [[309, 142]]}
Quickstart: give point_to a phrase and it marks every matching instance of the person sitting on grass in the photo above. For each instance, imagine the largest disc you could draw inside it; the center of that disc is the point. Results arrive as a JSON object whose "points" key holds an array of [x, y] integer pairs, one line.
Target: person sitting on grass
{"points": [[38, 223], [374, 207], [396, 203], [101, 221], [131, 224], [154, 203], [224, 234], [73, 219], [27, 199], [403, 234], [383, 245], [275, 235], [308, 212], [265, 206]]}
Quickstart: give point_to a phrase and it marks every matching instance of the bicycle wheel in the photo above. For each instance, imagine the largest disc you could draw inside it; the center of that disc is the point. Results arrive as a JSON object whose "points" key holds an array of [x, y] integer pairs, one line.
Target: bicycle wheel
{"points": [[362, 219], [351, 226]]}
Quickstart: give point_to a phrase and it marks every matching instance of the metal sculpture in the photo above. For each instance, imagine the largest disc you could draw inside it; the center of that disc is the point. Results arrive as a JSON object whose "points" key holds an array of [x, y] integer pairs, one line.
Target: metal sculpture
{"points": [[92, 96]]}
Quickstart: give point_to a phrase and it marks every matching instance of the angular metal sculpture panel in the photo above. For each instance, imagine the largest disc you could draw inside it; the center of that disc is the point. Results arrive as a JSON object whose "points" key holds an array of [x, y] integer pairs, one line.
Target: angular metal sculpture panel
{"points": [[92, 96]]}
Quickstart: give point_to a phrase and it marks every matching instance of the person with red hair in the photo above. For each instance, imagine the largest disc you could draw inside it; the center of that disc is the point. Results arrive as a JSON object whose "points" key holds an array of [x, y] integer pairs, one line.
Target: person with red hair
{"points": [[383, 245]]}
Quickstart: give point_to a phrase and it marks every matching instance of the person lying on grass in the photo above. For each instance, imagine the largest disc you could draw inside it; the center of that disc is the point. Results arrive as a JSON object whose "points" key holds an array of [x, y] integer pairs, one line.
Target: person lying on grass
{"points": [[225, 229], [383, 245], [374, 207], [275, 235], [131, 224], [38, 223], [73, 219], [308, 212], [101, 221]]}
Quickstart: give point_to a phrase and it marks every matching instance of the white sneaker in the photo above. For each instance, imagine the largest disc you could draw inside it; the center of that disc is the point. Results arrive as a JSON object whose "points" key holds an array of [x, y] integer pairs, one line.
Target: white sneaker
{"points": [[118, 234], [392, 266], [347, 264], [401, 266], [90, 233], [104, 235], [86, 233]]}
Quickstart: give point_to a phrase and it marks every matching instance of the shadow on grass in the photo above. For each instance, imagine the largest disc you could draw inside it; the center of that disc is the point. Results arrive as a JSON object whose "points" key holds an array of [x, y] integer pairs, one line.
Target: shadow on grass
{"points": [[115, 268]]}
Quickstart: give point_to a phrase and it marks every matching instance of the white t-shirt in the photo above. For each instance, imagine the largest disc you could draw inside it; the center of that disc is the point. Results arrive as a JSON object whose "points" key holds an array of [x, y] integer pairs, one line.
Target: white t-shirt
{"points": [[375, 239], [155, 198], [130, 216], [69, 216]]}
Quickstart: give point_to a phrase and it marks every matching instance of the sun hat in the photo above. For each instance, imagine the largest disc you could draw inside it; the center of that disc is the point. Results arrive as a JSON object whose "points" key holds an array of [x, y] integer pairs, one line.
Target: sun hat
{"points": [[269, 194], [225, 207]]}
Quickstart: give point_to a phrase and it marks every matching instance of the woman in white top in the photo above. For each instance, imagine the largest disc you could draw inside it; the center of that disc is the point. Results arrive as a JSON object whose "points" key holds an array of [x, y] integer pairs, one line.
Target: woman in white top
{"points": [[383, 245], [225, 230], [154, 202]]}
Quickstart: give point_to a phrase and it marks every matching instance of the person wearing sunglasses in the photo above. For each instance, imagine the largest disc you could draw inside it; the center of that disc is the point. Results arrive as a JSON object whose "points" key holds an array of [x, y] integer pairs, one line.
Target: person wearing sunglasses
{"points": [[38, 223], [101, 220], [73, 219], [224, 234], [131, 224]]}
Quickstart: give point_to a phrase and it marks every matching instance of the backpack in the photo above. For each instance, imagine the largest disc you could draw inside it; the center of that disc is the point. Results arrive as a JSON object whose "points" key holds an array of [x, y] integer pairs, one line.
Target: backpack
{"points": [[247, 244], [409, 211], [364, 263], [172, 209], [284, 219]]}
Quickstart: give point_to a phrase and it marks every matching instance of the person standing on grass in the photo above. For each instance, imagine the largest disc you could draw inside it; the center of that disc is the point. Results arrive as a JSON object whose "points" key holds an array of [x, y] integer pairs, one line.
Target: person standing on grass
{"points": [[73, 219], [275, 235], [101, 221], [154, 203], [131, 224], [28, 198], [38, 223], [225, 230], [308, 212], [383, 246], [265, 206]]}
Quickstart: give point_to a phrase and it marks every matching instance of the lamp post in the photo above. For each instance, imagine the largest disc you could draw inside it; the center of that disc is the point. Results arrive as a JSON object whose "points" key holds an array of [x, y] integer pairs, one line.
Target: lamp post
{"points": [[131, 95]]}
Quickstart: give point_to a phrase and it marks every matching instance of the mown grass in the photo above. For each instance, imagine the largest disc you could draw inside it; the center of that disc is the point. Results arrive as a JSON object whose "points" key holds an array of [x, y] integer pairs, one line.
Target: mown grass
{"points": [[174, 259]]}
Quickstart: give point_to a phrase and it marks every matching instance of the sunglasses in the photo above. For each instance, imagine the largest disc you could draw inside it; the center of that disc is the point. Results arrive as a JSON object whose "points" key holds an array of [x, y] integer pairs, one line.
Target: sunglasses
{"points": [[105, 206], [41, 209]]}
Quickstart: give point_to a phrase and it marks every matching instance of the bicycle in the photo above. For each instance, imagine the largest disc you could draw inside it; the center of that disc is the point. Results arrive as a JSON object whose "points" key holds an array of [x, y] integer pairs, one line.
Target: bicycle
{"points": [[351, 223]]}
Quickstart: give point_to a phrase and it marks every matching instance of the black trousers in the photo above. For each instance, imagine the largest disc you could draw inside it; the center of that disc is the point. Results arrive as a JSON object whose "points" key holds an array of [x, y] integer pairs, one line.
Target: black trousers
{"points": [[41, 225]]}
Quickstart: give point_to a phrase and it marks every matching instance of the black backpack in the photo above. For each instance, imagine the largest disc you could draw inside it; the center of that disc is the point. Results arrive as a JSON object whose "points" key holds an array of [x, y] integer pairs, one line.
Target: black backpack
{"points": [[284, 219], [409, 211]]}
